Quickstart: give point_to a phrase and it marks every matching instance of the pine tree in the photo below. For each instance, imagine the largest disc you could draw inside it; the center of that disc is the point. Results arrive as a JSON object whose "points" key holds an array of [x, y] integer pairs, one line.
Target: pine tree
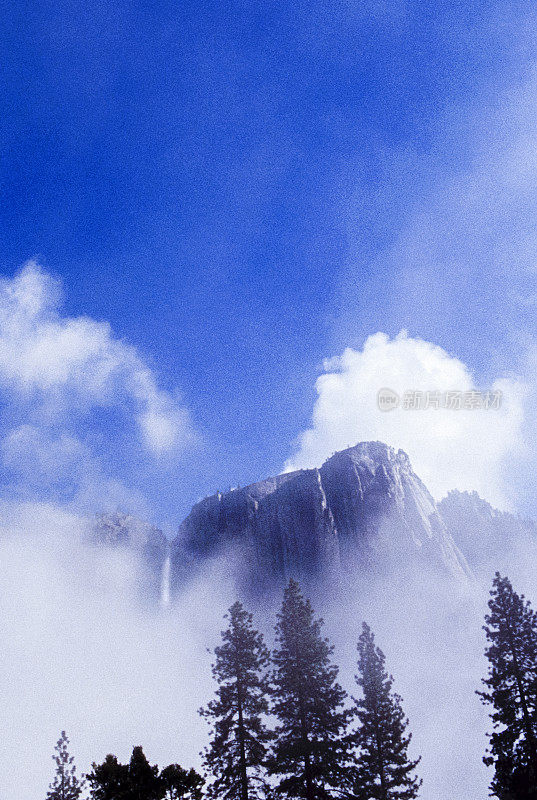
{"points": [[511, 630], [109, 780], [383, 770], [137, 780], [181, 784], [145, 782], [239, 738], [309, 751], [66, 785]]}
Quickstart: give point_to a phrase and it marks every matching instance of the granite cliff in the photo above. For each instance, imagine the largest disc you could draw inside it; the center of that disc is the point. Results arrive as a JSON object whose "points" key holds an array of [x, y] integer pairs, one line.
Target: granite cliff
{"points": [[363, 511], [487, 537], [144, 541], [363, 506]]}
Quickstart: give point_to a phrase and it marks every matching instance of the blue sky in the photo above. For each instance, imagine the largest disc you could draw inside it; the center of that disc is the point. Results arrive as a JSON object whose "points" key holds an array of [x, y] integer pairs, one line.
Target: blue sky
{"points": [[241, 191]]}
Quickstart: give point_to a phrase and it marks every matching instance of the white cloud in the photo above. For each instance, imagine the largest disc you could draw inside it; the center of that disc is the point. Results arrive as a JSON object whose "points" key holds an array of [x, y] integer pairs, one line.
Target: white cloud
{"points": [[70, 365], [459, 264], [463, 449]]}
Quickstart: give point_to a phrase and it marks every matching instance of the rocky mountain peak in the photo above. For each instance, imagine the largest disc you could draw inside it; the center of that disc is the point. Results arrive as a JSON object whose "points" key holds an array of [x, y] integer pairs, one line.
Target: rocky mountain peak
{"points": [[363, 505], [363, 510], [484, 533], [118, 528]]}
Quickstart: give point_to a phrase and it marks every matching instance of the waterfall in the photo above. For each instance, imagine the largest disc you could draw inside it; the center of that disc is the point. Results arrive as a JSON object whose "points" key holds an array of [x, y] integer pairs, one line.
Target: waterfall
{"points": [[165, 583]]}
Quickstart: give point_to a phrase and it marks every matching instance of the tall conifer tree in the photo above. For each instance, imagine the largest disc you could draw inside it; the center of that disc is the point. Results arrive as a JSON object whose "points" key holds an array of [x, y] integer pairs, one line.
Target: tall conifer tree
{"points": [[511, 689], [237, 751], [309, 750], [383, 770], [66, 785]]}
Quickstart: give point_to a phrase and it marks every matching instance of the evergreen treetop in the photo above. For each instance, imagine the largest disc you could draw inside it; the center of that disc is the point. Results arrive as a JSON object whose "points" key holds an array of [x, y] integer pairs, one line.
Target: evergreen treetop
{"points": [[237, 750], [66, 785], [511, 689], [138, 780], [382, 769], [309, 748], [181, 784]]}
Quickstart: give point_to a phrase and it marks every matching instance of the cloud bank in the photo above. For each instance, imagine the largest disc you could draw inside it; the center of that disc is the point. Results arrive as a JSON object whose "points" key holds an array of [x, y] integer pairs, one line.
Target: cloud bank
{"points": [[57, 375], [82, 652], [73, 362], [449, 449]]}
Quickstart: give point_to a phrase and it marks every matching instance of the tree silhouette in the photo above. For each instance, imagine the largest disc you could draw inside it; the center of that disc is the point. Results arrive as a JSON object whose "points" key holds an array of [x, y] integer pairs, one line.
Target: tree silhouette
{"points": [[383, 770], [511, 630], [109, 780], [181, 784], [309, 749], [238, 737], [66, 785], [144, 780]]}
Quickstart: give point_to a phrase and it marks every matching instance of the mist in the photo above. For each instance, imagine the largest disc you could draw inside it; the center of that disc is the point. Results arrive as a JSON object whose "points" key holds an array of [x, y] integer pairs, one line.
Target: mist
{"points": [[84, 652]]}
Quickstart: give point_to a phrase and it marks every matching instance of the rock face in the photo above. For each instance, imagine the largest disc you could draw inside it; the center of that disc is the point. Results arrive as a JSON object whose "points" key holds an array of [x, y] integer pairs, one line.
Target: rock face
{"points": [[146, 541], [364, 510], [485, 535], [363, 505]]}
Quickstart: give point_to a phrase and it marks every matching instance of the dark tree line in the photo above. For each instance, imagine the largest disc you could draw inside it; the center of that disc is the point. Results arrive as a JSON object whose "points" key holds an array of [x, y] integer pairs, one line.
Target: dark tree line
{"points": [[281, 726], [138, 780], [321, 744], [112, 780]]}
